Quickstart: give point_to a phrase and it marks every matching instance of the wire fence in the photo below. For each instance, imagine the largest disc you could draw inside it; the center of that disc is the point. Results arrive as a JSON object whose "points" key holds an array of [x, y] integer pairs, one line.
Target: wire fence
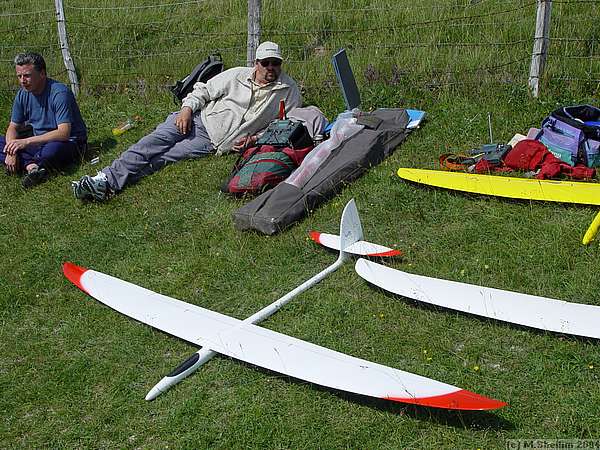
{"points": [[141, 46]]}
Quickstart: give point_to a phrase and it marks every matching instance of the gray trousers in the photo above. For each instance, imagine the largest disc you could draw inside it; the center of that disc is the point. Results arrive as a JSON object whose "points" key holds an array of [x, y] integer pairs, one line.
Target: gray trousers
{"points": [[151, 153]]}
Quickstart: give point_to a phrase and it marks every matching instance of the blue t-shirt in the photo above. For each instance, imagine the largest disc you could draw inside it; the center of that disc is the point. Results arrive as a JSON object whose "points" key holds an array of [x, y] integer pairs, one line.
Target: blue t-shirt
{"points": [[55, 105]]}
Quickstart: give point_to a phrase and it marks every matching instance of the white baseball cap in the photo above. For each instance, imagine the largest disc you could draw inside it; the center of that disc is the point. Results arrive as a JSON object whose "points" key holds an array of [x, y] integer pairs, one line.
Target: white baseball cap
{"points": [[268, 50]]}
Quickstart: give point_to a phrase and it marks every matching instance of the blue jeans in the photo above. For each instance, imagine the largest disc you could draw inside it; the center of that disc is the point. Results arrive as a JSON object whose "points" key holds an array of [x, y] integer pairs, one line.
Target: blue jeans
{"points": [[163, 146], [54, 155]]}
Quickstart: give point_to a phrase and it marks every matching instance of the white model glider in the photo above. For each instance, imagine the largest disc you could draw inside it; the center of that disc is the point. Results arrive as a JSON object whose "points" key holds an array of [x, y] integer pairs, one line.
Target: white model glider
{"points": [[514, 307], [361, 248], [271, 350]]}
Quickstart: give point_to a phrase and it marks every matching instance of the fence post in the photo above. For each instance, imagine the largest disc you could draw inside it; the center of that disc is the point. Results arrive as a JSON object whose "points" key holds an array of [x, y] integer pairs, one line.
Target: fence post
{"points": [[540, 45], [254, 12], [64, 46]]}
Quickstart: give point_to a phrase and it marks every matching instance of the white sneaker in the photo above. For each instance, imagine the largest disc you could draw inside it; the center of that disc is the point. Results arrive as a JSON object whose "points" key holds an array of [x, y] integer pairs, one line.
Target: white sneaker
{"points": [[91, 188]]}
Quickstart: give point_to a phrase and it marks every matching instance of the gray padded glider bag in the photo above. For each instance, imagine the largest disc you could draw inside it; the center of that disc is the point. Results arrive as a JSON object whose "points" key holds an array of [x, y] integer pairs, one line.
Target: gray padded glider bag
{"points": [[280, 207]]}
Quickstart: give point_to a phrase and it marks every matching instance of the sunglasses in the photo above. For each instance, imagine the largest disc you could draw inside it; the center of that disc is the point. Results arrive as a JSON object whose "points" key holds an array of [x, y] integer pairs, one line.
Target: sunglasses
{"points": [[269, 62]]}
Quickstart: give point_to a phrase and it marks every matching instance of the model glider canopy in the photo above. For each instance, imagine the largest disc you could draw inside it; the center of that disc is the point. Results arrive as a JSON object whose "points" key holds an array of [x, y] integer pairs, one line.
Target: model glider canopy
{"points": [[272, 350], [522, 309], [361, 248]]}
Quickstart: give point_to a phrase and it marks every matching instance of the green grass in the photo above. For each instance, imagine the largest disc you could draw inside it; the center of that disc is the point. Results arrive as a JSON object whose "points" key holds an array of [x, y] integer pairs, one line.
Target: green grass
{"points": [[74, 373]]}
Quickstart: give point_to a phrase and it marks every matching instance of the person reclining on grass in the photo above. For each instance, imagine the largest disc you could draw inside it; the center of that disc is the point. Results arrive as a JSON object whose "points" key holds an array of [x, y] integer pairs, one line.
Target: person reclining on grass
{"points": [[49, 107], [222, 115]]}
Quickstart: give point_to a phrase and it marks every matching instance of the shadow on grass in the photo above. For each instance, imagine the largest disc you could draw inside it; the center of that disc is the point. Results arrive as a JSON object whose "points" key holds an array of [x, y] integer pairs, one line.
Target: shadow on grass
{"points": [[476, 420], [98, 147], [481, 420], [93, 150]]}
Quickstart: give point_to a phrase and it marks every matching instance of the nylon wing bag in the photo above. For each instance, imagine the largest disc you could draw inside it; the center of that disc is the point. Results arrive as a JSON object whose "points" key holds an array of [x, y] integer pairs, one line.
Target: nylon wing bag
{"points": [[277, 209]]}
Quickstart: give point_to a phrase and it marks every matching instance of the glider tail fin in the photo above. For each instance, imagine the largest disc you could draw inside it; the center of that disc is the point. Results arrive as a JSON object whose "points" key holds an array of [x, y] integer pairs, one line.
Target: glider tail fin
{"points": [[350, 228]]}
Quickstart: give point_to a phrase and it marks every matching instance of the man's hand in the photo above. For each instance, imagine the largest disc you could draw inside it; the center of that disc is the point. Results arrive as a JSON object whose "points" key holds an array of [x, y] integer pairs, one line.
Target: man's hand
{"points": [[11, 163], [183, 121], [14, 146], [243, 143]]}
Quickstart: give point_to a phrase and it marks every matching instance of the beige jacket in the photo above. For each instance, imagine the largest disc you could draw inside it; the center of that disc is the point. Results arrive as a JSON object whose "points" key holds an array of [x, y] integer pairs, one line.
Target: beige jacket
{"points": [[224, 100]]}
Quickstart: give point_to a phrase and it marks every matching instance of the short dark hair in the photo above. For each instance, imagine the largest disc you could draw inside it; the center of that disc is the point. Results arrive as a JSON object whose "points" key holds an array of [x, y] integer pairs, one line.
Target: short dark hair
{"points": [[35, 59]]}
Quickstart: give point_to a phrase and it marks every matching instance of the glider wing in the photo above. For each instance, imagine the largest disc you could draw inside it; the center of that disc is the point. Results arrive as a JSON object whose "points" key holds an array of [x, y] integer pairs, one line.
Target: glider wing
{"points": [[514, 307], [272, 350], [511, 187]]}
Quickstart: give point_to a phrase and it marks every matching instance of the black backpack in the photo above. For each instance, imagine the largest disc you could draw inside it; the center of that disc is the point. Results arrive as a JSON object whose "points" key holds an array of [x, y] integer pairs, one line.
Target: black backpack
{"points": [[203, 72]]}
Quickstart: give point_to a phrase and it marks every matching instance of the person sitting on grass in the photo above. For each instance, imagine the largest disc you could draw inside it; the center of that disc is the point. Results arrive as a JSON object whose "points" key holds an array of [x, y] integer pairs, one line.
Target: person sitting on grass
{"points": [[222, 115], [48, 108]]}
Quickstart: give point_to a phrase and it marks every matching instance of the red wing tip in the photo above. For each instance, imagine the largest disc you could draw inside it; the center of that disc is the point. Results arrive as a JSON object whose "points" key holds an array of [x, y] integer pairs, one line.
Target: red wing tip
{"points": [[315, 236], [462, 399], [388, 253], [73, 272]]}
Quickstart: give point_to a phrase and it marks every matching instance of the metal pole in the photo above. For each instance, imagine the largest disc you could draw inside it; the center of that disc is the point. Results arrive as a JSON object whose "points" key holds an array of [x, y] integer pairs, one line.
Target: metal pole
{"points": [[540, 45], [64, 46], [254, 15]]}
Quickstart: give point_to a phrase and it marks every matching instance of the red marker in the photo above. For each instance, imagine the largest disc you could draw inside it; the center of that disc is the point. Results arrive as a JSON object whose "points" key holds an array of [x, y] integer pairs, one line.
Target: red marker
{"points": [[281, 110]]}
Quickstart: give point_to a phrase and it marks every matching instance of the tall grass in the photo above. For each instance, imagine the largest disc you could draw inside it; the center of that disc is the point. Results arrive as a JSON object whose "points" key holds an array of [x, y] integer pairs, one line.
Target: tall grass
{"points": [[432, 45]]}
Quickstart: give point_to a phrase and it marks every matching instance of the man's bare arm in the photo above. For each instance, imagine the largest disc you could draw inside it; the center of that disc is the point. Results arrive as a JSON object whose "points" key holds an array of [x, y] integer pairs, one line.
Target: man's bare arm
{"points": [[62, 133], [12, 131]]}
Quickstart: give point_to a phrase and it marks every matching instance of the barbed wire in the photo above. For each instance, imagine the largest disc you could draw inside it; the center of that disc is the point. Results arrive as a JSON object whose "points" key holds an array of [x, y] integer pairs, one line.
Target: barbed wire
{"points": [[282, 32], [400, 27], [55, 73], [438, 70], [29, 44], [161, 54], [92, 52], [29, 25], [482, 68], [187, 34], [593, 80], [429, 84], [574, 1], [408, 6], [28, 13], [138, 7], [587, 57], [266, 31], [174, 19], [138, 54], [328, 85], [571, 39], [441, 44]]}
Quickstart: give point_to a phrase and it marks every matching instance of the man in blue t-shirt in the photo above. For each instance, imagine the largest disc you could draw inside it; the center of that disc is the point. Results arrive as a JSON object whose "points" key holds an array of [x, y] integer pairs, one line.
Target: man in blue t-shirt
{"points": [[50, 109]]}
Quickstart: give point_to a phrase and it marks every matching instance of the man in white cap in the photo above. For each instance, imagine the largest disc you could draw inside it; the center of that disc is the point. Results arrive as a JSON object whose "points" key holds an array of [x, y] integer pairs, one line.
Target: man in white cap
{"points": [[222, 115]]}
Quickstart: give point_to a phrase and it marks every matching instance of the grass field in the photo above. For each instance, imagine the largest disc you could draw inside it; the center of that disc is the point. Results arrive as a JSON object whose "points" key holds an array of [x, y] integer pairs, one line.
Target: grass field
{"points": [[73, 374]]}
